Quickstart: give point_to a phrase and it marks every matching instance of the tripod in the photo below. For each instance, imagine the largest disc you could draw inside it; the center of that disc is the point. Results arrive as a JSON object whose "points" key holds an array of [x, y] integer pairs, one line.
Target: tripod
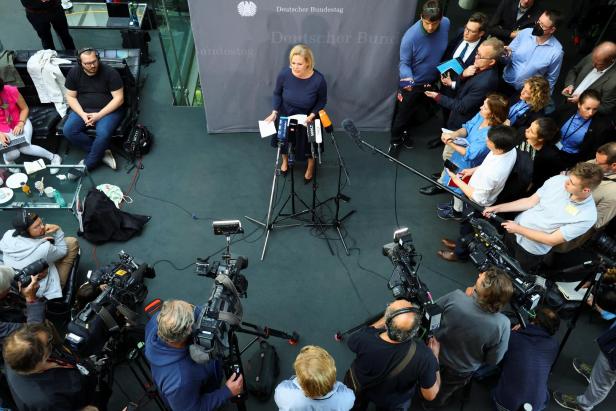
{"points": [[339, 336], [336, 221], [271, 222], [233, 363]]}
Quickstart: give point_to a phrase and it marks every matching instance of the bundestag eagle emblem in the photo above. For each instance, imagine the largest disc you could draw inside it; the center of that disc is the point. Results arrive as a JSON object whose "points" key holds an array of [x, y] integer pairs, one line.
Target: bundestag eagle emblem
{"points": [[247, 8]]}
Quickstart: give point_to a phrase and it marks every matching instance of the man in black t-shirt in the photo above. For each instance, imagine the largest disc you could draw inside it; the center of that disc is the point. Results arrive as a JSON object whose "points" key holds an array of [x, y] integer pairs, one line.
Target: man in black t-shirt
{"points": [[43, 14], [380, 348], [95, 94]]}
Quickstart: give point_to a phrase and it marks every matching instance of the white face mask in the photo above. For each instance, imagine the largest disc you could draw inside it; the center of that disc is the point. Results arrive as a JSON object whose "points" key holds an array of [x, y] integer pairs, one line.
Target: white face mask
{"points": [[114, 193]]}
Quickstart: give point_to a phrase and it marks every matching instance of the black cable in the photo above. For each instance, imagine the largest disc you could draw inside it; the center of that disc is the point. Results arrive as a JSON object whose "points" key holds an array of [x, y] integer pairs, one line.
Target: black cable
{"points": [[350, 277], [172, 264], [396, 197]]}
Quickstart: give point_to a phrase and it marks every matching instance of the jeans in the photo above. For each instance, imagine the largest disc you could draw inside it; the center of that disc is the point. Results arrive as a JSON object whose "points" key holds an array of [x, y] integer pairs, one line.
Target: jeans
{"points": [[602, 379], [42, 23], [95, 148]]}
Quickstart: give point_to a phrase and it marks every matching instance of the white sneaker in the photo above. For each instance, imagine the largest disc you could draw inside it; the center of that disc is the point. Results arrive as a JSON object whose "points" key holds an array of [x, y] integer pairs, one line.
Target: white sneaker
{"points": [[108, 160], [12, 170], [55, 161], [73, 177]]}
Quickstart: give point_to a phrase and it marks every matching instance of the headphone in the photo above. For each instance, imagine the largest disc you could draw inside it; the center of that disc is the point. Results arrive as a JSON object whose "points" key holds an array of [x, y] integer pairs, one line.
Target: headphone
{"points": [[412, 331], [84, 50]]}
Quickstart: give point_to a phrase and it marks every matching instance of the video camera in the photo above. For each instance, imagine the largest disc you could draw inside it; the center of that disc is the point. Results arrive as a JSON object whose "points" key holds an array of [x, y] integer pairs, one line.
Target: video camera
{"points": [[404, 282], [106, 316], [223, 310], [486, 249], [23, 276]]}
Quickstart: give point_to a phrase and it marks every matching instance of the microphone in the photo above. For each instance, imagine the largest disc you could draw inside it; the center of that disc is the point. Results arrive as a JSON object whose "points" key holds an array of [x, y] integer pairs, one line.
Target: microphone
{"points": [[352, 131], [327, 123], [282, 129], [312, 133], [292, 137]]}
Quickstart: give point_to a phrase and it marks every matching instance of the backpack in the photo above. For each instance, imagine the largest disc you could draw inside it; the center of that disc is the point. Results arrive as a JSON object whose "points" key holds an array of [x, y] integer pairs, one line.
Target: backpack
{"points": [[261, 372], [519, 179], [102, 221], [139, 142]]}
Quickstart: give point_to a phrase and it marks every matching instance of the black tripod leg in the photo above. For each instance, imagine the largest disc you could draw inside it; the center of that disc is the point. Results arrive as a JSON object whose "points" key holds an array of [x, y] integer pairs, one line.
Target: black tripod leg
{"points": [[339, 336]]}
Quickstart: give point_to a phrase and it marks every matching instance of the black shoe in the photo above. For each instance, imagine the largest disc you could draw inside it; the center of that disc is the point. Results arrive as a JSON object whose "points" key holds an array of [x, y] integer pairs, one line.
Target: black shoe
{"points": [[431, 190], [435, 143], [284, 172], [408, 143], [436, 176], [307, 180], [394, 150]]}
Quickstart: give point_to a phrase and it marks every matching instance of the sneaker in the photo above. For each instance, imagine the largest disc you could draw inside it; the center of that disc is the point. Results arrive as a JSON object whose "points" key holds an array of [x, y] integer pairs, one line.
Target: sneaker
{"points": [[450, 214], [55, 161], [73, 177], [582, 368], [444, 206], [567, 401], [394, 150], [108, 160]]}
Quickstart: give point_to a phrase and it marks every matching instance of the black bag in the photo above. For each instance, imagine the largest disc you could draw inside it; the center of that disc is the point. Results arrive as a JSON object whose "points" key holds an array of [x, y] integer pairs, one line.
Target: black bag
{"points": [[103, 221], [261, 372], [137, 39], [139, 142]]}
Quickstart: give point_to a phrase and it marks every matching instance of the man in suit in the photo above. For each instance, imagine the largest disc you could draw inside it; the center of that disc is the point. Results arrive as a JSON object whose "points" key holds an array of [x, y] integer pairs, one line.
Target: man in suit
{"points": [[596, 71], [511, 16]]}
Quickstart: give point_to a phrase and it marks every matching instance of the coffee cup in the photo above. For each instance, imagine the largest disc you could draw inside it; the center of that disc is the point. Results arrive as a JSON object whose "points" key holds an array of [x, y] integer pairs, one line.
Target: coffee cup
{"points": [[49, 191]]}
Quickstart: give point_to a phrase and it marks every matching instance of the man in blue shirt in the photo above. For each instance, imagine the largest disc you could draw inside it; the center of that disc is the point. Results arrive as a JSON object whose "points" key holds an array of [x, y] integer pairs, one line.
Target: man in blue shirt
{"points": [[534, 52], [602, 375], [421, 50], [184, 384]]}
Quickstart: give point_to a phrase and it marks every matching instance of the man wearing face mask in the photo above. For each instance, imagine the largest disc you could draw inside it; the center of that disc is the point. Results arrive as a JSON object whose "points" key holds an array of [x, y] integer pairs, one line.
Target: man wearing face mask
{"points": [[596, 71], [534, 52], [32, 239]]}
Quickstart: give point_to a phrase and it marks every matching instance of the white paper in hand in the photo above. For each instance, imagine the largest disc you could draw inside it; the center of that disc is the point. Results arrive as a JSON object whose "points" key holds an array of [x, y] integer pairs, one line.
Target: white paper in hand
{"points": [[267, 128]]}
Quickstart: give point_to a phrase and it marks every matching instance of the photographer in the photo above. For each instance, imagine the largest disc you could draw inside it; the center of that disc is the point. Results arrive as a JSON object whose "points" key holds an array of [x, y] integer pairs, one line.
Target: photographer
{"points": [[527, 364], [12, 312], [473, 332], [561, 210], [390, 363], [184, 384], [31, 240], [37, 380]]}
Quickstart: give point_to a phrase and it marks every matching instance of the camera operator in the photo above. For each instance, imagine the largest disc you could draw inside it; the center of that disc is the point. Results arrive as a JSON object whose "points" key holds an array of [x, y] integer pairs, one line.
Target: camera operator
{"points": [[602, 375], [527, 364], [31, 240], [390, 363], [12, 316], [37, 380], [473, 332], [561, 210], [184, 384]]}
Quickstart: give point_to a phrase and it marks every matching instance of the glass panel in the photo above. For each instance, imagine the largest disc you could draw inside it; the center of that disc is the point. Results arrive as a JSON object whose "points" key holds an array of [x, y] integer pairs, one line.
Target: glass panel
{"points": [[94, 15], [179, 51]]}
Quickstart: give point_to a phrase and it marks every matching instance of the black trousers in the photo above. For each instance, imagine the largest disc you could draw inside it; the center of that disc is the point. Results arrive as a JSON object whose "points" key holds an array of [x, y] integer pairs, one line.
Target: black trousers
{"points": [[529, 262], [42, 23], [451, 382], [415, 108]]}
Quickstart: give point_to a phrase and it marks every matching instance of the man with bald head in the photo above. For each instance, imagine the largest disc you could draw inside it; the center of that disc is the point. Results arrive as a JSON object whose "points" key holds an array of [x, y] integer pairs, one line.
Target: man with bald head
{"points": [[390, 362], [595, 71]]}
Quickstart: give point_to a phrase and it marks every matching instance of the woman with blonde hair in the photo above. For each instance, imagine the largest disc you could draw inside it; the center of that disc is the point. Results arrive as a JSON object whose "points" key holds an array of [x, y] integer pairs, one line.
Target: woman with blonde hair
{"points": [[314, 386], [300, 89], [534, 98]]}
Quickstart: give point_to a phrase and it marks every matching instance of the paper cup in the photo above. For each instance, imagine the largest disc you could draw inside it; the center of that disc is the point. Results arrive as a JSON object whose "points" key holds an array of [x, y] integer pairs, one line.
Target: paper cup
{"points": [[49, 191]]}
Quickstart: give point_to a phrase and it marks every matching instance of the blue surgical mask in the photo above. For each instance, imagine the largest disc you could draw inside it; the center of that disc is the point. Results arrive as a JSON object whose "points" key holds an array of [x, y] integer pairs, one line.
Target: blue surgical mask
{"points": [[606, 315]]}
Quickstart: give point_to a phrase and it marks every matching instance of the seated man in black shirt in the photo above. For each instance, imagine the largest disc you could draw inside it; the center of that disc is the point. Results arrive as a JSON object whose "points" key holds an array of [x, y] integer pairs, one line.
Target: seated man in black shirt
{"points": [[95, 94], [379, 374], [36, 381]]}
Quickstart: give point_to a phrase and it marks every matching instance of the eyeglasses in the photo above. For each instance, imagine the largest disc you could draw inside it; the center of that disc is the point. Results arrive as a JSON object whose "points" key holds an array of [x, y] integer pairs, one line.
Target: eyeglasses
{"points": [[89, 63], [478, 57], [471, 31]]}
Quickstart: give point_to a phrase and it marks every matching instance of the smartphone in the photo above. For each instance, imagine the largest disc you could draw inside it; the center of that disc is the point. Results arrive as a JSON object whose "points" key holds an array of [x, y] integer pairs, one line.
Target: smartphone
{"points": [[451, 166], [567, 94]]}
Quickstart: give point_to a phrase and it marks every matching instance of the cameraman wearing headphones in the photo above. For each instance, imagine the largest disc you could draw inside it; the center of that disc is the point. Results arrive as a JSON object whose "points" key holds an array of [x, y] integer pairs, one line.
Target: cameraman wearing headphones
{"points": [[12, 314], [183, 384], [473, 332], [390, 363]]}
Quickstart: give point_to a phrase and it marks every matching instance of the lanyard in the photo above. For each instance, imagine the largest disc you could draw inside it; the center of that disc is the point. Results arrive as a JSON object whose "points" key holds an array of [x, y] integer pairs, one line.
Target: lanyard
{"points": [[565, 135], [523, 107]]}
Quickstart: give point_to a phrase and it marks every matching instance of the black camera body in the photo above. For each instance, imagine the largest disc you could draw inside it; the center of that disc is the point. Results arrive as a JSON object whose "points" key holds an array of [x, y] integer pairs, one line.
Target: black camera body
{"points": [[107, 315], [23, 276], [404, 282], [223, 310], [486, 249]]}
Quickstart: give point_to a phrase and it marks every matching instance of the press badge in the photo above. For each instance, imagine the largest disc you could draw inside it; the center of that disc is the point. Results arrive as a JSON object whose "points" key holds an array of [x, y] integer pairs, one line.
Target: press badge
{"points": [[571, 209]]}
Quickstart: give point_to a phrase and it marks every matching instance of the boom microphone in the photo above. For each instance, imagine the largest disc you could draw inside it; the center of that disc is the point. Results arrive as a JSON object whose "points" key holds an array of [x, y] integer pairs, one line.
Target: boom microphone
{"points": [[327, 123], [292, 137], [352, 131]]}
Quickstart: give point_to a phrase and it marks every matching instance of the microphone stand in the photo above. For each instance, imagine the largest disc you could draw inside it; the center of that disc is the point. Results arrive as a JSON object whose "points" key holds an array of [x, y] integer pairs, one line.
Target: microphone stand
{"points": [[337, 221], [270, 223]]}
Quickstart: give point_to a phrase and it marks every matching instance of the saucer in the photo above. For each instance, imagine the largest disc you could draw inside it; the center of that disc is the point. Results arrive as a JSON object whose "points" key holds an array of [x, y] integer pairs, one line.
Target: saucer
{"points": [[5, 195], [15, 180]]}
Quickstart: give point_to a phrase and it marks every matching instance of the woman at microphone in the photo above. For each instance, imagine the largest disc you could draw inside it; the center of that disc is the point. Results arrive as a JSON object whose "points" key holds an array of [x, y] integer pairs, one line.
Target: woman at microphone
{"points": [[300, 89]]}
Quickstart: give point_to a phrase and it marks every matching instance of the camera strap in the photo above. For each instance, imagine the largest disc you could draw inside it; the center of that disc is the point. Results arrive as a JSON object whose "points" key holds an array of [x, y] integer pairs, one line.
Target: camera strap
{"points": [[228, 317], [108, 319]]}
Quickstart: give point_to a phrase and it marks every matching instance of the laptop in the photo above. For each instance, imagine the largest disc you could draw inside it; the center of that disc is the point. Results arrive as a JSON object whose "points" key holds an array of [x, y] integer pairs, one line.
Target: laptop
{"points": [[119, 15]]}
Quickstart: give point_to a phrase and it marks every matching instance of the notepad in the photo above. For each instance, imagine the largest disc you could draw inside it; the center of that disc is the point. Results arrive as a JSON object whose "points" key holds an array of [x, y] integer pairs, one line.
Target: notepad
{"points": [[568, 291], [452, 66]]}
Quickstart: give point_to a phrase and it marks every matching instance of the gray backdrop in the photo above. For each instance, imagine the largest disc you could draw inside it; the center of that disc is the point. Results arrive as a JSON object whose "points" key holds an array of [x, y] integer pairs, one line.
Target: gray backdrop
{"points": [[242, 45]]}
